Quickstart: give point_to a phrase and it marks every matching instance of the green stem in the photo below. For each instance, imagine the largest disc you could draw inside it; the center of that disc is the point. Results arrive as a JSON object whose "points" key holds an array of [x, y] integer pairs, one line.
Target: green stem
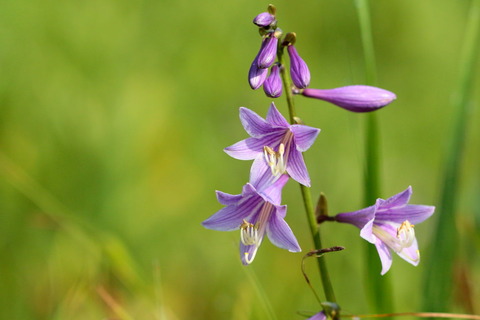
{"points": [[438, 285], [307, 199], [378, 289]]}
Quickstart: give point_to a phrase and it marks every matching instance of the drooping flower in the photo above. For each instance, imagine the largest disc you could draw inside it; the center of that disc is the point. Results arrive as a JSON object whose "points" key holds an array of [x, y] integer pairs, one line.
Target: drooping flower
{"points": [[275, 142], [298, 69], [358, 98], [388, 224], [273, 84], [264, 19], [256, 212]]}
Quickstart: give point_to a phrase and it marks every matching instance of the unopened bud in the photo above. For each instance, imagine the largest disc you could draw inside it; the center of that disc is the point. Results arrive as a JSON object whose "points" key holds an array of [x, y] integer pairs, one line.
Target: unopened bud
{"points": [[268, 52], [298, 69], [358, 98], [256, 75], [273, 84], [264, 19]]}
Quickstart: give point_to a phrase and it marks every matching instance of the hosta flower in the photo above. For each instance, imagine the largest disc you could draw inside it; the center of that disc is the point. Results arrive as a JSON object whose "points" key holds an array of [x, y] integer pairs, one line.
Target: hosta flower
{"points": [[389, 225], [298, 69], [273, 84], [357, 98], [275, 142], [256, 212]]}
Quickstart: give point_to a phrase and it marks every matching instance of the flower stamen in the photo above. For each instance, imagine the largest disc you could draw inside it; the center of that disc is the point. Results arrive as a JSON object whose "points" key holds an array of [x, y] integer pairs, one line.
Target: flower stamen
{"points": [[406, 234], [248, 233], [275, 160]]}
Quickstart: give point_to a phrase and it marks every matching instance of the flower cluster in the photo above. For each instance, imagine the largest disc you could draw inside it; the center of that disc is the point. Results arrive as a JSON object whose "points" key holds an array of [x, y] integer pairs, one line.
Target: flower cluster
{"points": [[356, 98], [276, 148]]}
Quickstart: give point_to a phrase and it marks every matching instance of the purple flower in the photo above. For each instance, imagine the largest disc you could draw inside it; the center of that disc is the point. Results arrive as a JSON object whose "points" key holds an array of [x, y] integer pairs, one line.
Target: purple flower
{"points": [[273, 84], [388, 224], [319, 316], [275, 142], [354, 98], [256, 75], [256, 212], [268, 51], [298, 69], [264, 19]]}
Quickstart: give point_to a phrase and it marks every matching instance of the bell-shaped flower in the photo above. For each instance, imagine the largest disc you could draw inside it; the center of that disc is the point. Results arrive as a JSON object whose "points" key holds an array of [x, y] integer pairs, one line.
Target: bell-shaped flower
{"points": [[256, 75], [389, 225], [264, 19], [273, 84], [256, 212], [298, 69], [268, 51], [356, 98], [275, 142]]}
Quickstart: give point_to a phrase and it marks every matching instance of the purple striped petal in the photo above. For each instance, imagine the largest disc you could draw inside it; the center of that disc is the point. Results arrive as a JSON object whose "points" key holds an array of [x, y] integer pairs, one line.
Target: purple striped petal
{"points": [[231, 217], [296, 167], [273, 86], [268, 52], [255, 125], [275, 118], [358, 218], [298, 69], [414, 213], [256, 75], [250, 148], [272, 192], [397, 200], [280, 234], [304, 136], [228, 199]]}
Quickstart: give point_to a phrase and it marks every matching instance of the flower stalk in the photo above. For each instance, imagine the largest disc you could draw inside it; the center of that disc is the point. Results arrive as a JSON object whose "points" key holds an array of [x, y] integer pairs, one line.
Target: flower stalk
{"points": [[306, 195]]}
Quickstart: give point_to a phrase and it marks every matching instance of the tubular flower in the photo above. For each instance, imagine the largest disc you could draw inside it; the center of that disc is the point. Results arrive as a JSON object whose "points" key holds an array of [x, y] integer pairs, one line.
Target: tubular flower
{"points": [[357, 98], [256, 75], [388, 224], [255, 212], [275, 142], [273, 84], [298, 69]]}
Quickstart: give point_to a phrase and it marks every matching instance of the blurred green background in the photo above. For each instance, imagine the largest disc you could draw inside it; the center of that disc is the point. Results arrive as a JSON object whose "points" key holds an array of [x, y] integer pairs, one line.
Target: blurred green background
{"points": [[113, 117]]}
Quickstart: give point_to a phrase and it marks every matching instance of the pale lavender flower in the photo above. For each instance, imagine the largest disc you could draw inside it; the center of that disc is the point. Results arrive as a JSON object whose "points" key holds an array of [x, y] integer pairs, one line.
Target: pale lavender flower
{"points": [[264, 19], [388, 224], [273, 84], [356, 98], [319, 316], [256, 212], [256, 75], [275, 142], [268, 51], [298, 69]]}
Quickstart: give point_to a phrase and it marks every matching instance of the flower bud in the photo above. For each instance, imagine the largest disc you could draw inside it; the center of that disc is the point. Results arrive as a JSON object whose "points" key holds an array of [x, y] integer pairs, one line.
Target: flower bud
{"points": [[268, 52], [256, 75], [298, 69], [273, 84], [358, 98], [264, 19]]}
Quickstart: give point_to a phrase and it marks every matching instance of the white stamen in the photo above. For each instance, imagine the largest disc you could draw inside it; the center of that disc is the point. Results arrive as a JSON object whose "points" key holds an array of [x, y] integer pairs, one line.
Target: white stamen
{"points": [[248, 234], [406, 234], [275, 160], [404, 238]]}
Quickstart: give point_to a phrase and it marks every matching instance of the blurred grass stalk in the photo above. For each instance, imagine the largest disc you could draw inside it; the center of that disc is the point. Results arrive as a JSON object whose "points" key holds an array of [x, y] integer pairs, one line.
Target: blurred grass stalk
{"points": [[439, 273], [378, 288]]}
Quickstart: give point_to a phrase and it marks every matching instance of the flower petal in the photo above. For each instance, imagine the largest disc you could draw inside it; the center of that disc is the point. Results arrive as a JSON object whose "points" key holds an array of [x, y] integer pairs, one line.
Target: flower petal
{"points": [[304, 136], [273, 192], [397, 200], [255, 125], [411, 254], [296, 167], [275, 118], [228, 199], [231, 217], [246, 149], [281, 235], [385, 256], [367, 232], [414, 213], [319, 316]]}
